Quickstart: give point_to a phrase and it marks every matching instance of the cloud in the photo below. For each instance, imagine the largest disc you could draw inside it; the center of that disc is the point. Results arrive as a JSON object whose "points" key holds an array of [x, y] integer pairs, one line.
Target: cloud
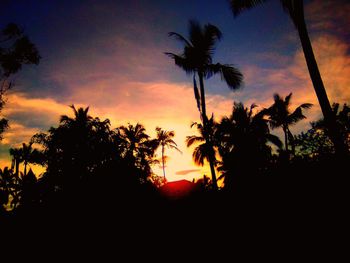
{"points": [[186, 172], [328, 16]]}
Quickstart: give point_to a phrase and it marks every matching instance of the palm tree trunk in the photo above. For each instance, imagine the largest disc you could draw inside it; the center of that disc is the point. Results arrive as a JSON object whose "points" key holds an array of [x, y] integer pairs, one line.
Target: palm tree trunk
{"points": [[204, 111], [25, 168], [17, 167], [205, 123], [163, 161], [317, 82], [285, 130]]}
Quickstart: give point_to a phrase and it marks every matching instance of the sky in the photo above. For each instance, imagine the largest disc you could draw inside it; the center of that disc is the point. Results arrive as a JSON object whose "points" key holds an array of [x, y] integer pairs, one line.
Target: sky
{"points": [[109, 55]]}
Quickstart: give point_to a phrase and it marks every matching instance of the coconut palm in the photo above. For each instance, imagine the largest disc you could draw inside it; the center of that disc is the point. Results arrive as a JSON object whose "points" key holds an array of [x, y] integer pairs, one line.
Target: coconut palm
{"points": [[16, 154], [295, 9], [244, 131], [165, 139], [242, 140], [26, 154], [81, 118], [138, 147], [280, 116], [196, 60], [204, 151]]}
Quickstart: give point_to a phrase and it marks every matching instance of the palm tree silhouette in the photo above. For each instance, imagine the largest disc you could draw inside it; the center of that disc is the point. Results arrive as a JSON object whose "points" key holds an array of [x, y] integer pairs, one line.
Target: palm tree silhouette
{"points": [[137, 146], [280, 116], [81, 118], [27, 151], [26, 154], [16, 154], [242, 141], [196, 59], [205, 150], [295, 9], [164, 139]]}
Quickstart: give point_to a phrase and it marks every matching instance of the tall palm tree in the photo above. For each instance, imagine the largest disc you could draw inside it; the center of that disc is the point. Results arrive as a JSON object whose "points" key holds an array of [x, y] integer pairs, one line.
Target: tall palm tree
{"points": [[196, 59], [295, 9], [280, 116], [204, 151], [165, 139]]}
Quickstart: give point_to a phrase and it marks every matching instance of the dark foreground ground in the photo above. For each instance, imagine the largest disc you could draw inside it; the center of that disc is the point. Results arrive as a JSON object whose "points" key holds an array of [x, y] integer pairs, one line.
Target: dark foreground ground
{"points": [[291, 213]]}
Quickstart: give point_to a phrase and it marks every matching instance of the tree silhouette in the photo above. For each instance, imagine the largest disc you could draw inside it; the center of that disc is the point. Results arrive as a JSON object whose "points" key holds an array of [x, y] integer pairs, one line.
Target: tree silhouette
{"points": [[314, 144], [343, 121], [16, 154], [15, 50], [280, 116], [138, 148], [242, 141], [295, 9], [196, 59], [165, 139], [77, 148], [3, 121], [205, 150], [27, 155]]}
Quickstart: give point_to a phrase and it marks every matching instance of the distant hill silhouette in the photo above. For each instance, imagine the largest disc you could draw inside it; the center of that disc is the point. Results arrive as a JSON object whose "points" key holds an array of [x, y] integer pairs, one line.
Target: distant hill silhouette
{"points": [[178, 189]]}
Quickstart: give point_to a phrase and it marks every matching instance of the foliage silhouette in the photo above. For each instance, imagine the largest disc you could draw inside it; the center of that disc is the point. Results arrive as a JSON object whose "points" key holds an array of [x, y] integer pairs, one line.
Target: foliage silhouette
{"points": [[196, 59], [15, 50], [295, 9], [139, 149], [315, 144], [280, 116], [242, 141], [164, 139], [204, 151]]}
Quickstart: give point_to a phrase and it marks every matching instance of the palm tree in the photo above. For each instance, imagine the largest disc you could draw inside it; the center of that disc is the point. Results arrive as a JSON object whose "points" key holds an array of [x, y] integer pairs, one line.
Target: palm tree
{"points": [[26, 154], [280, 116], [243, 130], [138, 148], [205, 150], [164, 139], [242, 141], [196, 59], [16, 154], [295, 9], [81, 118]]}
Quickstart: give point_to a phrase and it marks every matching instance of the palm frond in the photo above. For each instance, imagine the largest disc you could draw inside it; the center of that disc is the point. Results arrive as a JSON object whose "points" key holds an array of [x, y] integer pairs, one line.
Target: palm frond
{"points": [[296, 116], [199, 154], [179, 37], [231, 75], [193, 139], [238, 6], [211, 35], [306, 105], [181, 62], [288, 99], [274, 140], [195, 32]]}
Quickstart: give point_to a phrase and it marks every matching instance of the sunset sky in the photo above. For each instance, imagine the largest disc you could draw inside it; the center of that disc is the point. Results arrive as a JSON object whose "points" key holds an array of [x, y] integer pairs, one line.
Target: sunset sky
{"points": [[109, 55]]}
